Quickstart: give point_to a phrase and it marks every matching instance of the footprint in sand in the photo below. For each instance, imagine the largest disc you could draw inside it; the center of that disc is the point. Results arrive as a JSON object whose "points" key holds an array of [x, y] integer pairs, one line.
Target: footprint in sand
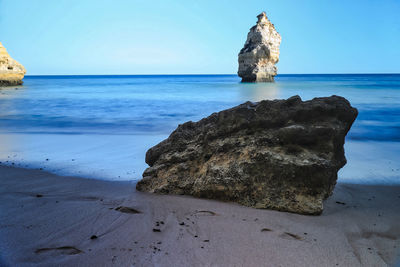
{"points": [[127, 210], [65, 250], [205, 212], [266, 230], [287, 235]]}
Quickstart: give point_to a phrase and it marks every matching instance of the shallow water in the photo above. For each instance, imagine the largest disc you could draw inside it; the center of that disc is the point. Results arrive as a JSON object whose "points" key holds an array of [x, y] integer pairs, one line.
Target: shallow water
{"points": [[101, 126]]}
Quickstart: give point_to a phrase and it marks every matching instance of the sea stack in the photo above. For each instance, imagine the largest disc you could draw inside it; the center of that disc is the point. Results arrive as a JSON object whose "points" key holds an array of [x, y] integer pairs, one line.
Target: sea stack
{"points": [[280, 154], [11, 72], [260, 53]]}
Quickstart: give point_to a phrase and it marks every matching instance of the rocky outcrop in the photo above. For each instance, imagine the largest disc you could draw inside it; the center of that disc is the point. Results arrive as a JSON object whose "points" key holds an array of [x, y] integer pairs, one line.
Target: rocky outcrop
{"points": [[280, 154], [260, 53], [11, 72]]}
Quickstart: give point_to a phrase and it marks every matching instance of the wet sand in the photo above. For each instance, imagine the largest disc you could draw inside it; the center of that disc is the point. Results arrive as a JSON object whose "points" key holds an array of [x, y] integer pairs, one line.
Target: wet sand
{"points": [[50, 220]]}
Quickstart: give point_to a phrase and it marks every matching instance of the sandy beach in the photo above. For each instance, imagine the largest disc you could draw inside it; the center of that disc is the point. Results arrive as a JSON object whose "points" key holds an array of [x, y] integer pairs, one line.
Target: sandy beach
{"points": [[274, 128], [49, 220]]}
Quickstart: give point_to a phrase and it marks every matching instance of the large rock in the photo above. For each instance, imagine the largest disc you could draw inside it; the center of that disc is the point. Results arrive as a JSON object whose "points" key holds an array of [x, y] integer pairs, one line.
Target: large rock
{"points": [[280, 154], [260, 53], [11, 72]]}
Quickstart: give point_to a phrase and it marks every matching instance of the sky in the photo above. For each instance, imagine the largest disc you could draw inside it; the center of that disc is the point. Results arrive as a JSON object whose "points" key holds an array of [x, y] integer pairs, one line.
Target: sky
{"points": [[197, 37]]}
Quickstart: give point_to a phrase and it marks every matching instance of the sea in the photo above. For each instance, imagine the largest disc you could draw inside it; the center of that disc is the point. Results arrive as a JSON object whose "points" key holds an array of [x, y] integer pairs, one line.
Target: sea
{"points": [[101, 126]]}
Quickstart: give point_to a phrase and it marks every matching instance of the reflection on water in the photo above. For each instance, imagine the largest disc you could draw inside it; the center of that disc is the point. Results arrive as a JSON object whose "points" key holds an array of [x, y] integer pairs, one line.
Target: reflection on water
{"points": [[111, 157], [7, 143], [106, 123], [260, 91]]}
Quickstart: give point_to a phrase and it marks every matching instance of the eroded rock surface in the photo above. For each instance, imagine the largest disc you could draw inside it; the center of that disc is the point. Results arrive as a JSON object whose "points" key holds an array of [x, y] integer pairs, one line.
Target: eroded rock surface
{"points": [[260, 53], [11, 72], [280, 154]]}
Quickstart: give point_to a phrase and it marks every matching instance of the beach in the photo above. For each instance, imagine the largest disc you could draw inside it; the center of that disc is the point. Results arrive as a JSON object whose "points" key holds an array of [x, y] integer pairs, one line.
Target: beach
{"points": [[50, 220], [194, 133], [72, 149]]}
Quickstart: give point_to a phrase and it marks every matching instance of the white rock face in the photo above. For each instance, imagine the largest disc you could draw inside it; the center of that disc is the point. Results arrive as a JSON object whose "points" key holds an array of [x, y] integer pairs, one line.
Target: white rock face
{"points": [[11, 72], [260, 53]]}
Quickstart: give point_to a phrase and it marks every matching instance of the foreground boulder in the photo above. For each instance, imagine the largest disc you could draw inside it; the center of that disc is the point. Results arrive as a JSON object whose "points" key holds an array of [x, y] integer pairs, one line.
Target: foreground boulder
{"points": [[11, 72], [260, 53], [280, 154]]}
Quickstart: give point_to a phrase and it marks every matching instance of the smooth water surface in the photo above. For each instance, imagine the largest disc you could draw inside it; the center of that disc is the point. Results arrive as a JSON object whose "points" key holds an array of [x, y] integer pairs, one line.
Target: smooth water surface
{"points": [[101, 126]]}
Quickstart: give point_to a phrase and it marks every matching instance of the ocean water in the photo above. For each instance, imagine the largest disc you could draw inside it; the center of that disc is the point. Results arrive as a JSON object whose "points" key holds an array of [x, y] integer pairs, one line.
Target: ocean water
{"points": [[101, 126]]}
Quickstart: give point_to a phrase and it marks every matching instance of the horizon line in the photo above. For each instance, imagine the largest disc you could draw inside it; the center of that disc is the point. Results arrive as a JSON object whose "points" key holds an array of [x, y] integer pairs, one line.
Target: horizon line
{"points": [[206, 74]]}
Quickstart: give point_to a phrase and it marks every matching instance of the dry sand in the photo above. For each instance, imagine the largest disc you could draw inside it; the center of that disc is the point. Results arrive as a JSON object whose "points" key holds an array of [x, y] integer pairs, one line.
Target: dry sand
{"points": [[48, 220]]}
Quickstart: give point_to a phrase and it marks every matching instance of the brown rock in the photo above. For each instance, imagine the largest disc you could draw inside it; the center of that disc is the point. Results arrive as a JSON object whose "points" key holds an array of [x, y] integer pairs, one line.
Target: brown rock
{"points": [[260, 53], [11, 72], [280, 154]]}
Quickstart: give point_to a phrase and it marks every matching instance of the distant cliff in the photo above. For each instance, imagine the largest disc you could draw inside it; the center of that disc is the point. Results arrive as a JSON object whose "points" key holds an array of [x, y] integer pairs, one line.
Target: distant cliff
{"points": [[11, 72], [260, 53]]}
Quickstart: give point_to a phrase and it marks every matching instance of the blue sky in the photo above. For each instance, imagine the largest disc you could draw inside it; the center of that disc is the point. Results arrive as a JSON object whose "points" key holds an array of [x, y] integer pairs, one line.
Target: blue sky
{"points": [[204, 37]]}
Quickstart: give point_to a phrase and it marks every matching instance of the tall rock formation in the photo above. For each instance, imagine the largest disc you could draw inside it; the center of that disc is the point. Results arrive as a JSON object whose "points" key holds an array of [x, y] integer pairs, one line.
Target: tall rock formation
{"points": [[11, 72], [260, 53], [280, 154]]}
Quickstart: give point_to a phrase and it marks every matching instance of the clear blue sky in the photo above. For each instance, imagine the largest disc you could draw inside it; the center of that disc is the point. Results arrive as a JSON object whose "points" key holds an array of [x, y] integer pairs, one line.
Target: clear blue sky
{"points": [[183, 37]]}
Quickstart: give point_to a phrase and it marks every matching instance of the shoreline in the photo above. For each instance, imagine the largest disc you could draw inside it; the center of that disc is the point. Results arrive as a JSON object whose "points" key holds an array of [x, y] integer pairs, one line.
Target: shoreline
{"points": [[368, 162], [53, 220]]}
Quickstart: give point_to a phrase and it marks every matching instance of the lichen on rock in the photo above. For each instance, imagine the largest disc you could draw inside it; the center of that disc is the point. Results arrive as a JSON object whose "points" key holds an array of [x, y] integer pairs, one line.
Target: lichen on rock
{"points": [[260, 53], [280, 154], [11, 72]]}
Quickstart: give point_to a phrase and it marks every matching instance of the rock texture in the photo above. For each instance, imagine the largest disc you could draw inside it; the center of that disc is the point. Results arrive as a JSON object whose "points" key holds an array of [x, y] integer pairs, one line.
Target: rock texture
{"points": [[11, 72], [260, 53], [280, 154]]}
